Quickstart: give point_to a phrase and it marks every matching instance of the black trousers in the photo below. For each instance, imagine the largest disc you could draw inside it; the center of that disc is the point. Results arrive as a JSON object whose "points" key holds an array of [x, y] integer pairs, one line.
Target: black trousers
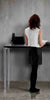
{"points": [[34, 64]]}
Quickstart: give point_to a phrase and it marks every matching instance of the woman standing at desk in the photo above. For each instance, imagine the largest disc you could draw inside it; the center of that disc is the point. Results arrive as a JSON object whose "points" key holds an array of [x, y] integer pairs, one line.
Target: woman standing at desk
{"points": [[33, 38]]}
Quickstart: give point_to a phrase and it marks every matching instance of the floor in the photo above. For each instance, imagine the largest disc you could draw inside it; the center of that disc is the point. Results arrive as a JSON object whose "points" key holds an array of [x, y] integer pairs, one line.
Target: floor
{"points": [[21, 93]]}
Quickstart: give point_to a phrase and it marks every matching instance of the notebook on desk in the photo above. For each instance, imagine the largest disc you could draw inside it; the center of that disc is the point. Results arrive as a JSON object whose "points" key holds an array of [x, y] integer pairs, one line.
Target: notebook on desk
{"points": [[47, 44]]}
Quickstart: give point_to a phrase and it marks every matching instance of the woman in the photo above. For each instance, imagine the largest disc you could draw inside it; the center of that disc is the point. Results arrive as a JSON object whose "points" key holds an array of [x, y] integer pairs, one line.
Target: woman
{"points": [[33, 38]]}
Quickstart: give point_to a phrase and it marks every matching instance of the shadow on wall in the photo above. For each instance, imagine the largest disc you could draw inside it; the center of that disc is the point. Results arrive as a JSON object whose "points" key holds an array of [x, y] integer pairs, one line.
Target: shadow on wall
{"points": [[20, 63]]}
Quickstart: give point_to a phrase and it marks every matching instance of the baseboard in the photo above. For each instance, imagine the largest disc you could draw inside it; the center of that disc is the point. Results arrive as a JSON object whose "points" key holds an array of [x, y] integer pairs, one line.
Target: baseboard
{"points": [[23, 84]]}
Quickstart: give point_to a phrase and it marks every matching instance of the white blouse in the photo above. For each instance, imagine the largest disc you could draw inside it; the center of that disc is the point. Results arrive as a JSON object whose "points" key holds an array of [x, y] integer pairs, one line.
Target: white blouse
{"points": [[32, 35]]}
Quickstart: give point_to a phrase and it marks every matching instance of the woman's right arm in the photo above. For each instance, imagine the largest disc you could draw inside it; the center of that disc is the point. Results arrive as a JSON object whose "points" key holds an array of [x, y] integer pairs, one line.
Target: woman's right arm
{"points": [[40, 38]]}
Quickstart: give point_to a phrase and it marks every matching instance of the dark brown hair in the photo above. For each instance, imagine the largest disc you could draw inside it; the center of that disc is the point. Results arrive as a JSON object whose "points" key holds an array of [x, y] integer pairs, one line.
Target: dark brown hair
{"points": [[34, 21]]}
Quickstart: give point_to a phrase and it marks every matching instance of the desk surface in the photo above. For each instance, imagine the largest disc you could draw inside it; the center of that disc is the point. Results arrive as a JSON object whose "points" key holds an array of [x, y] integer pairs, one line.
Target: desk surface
{"points": [[9, 45], [17, 46]]}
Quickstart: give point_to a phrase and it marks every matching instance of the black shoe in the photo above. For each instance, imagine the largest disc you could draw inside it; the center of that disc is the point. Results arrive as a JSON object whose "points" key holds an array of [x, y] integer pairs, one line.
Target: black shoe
{"points": [[35, 90]]}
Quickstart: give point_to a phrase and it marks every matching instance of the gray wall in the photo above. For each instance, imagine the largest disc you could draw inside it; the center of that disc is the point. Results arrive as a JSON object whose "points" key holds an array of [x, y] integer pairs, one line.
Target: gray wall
{"points": [[14, 15]]}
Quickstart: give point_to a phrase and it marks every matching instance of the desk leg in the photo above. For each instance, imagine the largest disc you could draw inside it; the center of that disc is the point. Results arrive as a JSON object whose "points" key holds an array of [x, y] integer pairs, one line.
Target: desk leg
{"points": [[4, 70], [8, 67]]}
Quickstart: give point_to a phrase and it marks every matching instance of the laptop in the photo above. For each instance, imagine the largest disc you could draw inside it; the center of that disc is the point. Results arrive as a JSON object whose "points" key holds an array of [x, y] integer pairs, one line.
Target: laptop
{"points": [[18, 40]]}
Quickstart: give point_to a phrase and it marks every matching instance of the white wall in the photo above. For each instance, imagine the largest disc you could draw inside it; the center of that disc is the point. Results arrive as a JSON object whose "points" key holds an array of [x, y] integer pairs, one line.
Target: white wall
{"points": [[14, 15]]}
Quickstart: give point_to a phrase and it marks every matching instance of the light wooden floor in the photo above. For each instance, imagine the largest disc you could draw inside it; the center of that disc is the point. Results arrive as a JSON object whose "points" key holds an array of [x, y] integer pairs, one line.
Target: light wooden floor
{"points": [[21, 93]]}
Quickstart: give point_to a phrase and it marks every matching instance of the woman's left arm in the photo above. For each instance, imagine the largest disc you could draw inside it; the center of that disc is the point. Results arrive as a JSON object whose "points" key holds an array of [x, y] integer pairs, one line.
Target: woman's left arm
{"points": [[26, 39]]}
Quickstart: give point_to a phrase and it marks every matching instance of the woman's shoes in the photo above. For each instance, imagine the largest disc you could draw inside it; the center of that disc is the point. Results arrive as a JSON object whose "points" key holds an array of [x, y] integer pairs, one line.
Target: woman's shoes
{"points": [[35, 90]]}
